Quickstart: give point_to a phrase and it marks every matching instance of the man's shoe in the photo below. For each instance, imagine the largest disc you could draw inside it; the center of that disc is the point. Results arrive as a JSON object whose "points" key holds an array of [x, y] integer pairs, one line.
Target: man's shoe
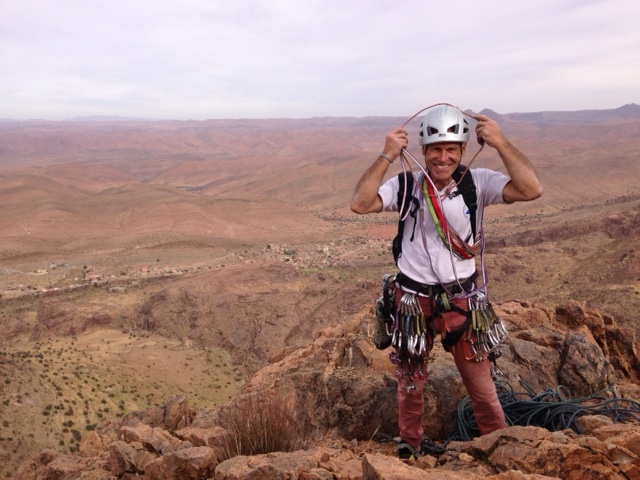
{"points": [[406, 451]]}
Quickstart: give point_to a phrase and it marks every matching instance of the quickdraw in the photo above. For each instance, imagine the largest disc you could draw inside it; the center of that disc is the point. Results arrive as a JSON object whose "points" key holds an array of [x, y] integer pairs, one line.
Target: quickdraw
{"points": [[486, 332], [410, 334], [410, 339]]}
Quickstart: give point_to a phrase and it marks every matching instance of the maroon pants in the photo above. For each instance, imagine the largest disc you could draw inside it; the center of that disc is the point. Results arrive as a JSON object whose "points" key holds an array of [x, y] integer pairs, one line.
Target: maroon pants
{"points": [[476, 377]]}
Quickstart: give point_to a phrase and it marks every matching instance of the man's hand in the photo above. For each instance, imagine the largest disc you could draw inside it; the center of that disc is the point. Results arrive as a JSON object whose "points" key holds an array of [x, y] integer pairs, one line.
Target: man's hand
{"points": [[488, 131], [394, 142], [524, 184], [366, 198]]}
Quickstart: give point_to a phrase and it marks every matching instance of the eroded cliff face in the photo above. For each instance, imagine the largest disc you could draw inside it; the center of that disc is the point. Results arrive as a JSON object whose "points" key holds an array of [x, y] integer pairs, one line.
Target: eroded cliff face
{"points": [[343, 391]]}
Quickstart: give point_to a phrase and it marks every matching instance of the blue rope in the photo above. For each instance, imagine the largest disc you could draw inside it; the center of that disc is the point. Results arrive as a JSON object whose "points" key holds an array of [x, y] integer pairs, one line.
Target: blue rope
{"points": [[553, 409]]}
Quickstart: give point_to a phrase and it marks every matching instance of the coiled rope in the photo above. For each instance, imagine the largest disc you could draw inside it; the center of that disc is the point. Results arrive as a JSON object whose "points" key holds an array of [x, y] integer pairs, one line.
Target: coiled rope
{"points": [[553, 409]]}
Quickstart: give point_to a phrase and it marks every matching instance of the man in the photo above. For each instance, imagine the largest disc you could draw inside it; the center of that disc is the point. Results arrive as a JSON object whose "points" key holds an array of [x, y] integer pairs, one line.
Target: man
{"points": [[435, 290]]}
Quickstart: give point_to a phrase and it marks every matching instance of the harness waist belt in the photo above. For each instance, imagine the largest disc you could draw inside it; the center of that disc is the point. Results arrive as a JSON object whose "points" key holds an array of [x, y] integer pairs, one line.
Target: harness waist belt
{"points": [[436, 289]]}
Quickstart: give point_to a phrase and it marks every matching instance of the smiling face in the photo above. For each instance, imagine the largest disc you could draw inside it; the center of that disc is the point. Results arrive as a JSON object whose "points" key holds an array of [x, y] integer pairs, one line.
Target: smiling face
{"points": [[441, 160]]}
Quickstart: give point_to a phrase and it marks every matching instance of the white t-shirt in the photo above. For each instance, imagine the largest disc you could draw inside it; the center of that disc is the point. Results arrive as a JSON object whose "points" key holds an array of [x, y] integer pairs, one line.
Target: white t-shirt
{"points": [[433, 263]]}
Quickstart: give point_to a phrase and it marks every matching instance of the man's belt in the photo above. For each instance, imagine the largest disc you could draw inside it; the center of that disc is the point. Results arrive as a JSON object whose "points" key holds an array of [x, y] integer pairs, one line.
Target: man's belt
{"points": [[436, 289]]}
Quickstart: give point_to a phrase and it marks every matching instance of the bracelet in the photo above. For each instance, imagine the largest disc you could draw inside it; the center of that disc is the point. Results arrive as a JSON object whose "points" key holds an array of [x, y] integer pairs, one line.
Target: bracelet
{"points": [[386, 158]]}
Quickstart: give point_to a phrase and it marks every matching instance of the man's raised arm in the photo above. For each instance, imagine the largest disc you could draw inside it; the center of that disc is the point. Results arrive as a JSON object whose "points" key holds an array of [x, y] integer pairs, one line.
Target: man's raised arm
{"points": [[365, 198], [524, 185]]}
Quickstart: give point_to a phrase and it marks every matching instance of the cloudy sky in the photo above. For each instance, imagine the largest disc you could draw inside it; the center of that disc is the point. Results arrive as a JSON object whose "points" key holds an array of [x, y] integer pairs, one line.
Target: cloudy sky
{"points": [[199, 59]]}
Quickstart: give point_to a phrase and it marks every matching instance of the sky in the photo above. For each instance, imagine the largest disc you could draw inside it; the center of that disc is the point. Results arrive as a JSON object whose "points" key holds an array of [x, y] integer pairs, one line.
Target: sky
{"points": [[209, 59]]}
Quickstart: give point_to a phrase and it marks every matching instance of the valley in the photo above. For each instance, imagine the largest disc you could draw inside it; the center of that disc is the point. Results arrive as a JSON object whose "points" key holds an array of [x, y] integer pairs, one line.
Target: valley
{"points": [[143, 260]]}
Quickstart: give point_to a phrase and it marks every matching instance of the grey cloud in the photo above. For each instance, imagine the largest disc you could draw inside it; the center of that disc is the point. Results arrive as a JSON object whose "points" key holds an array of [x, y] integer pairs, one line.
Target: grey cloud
{"points": [[279, 58]]}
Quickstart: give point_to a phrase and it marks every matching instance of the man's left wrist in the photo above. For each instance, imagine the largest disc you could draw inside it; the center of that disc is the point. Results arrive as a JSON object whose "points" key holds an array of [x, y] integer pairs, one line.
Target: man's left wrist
{"points": [[386, 157]]}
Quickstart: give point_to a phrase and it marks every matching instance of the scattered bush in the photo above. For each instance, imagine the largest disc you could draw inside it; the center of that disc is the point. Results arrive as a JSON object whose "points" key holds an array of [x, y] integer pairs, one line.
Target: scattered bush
{"points": [[257, 427]]}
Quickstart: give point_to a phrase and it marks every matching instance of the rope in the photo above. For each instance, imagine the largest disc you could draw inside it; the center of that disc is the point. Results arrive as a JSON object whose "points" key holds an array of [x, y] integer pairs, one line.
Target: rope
{"points": [[553, 409]]}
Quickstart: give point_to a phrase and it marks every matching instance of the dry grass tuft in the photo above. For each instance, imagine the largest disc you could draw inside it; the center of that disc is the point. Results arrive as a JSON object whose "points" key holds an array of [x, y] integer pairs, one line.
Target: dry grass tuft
{"points": [[257, 426]]}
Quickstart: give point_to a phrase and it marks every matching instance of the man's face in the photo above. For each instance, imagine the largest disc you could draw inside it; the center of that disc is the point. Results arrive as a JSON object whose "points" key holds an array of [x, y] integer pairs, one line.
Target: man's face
{"points": [[441, 160]]}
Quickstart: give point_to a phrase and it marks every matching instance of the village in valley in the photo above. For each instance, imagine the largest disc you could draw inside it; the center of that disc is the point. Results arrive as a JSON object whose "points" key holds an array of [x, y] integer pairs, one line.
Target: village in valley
{"points": [[59, 277]]}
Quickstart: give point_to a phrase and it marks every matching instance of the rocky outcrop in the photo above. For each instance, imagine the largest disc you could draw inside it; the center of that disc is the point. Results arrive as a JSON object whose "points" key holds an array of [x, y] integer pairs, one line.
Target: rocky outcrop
{"points": [[344, 386], [342, 391], [515, 453]]}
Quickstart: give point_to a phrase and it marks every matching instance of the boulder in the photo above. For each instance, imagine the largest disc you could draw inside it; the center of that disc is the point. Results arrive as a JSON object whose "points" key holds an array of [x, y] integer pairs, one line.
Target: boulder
{"points": [[193, 463]]}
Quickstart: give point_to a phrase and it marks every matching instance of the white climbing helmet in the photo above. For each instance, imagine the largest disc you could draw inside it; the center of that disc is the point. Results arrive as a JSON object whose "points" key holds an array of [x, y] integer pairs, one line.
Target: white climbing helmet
{"points": [[443, 123]]}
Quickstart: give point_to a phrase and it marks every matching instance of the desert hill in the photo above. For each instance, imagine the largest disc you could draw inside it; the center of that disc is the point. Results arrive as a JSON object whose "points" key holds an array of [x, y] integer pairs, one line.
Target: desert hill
{"points": [[230, 243], [267, 153]]}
